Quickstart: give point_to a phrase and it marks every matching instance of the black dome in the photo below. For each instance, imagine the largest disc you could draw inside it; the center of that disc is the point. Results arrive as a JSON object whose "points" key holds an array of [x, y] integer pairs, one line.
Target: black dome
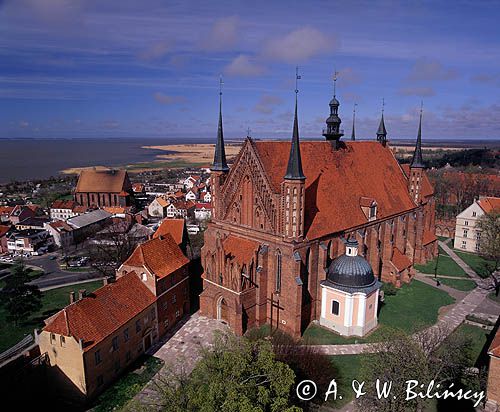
{"points": [[351, 271], [334, 102]]}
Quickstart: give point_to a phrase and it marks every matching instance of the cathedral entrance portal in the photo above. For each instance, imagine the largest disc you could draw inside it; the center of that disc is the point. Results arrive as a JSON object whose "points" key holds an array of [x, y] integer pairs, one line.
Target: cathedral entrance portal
{"points": [[222, 310]]}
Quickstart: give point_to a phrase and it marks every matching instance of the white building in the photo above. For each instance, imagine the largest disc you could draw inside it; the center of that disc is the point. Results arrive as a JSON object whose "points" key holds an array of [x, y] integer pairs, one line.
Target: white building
{"points": [[191, 181], [203, 211], [207, 197], [65, 209], [158, 207], [467, 235]]}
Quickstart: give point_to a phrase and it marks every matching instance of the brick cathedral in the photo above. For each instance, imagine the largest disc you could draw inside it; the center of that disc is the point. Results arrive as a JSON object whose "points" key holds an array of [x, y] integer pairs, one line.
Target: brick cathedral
{"points": [[284, 210]]}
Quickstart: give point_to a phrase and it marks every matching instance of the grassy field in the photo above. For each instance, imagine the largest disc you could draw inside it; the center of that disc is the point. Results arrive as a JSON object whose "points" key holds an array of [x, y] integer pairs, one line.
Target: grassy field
{"points": [[446, 266], [460, 284], [52, 301], [414, 307], [129, 385], [476, 262]]}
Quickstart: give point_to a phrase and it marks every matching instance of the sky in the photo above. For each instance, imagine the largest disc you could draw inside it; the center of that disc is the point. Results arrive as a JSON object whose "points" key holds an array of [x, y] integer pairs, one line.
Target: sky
{"points": [[151, 68]]}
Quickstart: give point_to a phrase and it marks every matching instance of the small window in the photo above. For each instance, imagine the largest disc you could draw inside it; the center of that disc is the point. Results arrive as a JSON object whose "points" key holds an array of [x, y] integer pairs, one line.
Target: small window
{"points": [[177, 314], [335, 307], [125, 335], [466, 232], [63, 341], [100, 380], [52, 338], [466, 222], [165, 323], [473, 214], [146, 319], [97, 357], [464, 244], [137, 325], [115, 343]]}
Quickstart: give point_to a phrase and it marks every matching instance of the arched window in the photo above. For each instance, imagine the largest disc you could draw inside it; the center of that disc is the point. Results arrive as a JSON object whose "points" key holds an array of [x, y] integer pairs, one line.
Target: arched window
{"points": [[278, 271]]}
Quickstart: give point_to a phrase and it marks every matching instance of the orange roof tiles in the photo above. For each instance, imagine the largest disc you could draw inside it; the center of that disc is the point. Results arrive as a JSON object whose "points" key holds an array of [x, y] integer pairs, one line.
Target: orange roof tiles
{"points": [[242, 250], [494, 348], [428, 237], [400, 260], [427, 188], [116, 210], [162, 202], [160, 256], [6, 210], [3, 230], [102, 181], [489, 204], [174, 227], [98, 315], [366, 201], [336, 179], [63, 204]]}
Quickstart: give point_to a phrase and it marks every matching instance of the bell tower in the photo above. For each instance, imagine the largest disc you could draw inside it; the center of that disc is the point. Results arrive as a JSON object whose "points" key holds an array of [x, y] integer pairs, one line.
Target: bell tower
{"points": [[333, 132], [219, 169], [417, 166], [293, 186], [382, 132]]}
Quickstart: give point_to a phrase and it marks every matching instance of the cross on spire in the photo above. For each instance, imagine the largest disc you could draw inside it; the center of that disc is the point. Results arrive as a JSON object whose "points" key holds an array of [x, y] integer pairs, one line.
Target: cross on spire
{"points": [[221, 83], [335, 73], [297, 78], [383, 105]]}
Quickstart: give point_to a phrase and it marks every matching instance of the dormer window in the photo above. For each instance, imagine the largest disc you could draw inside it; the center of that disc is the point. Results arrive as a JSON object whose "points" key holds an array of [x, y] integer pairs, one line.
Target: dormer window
{"points": [[373, 212], [144, 277]]}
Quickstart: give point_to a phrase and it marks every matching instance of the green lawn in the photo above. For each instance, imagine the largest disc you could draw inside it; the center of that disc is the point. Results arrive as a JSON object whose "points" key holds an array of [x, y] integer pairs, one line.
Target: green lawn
{"points": [[52, 301], [446, 266], [442, 238], [494, 297], [414, 307], [459, 284], [476, 262], [479, 338], [129, 385]]}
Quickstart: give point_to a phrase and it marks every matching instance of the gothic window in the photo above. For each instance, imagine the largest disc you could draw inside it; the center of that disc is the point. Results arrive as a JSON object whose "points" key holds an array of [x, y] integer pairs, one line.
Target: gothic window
{"points": [[221, 279], [278, 271]]}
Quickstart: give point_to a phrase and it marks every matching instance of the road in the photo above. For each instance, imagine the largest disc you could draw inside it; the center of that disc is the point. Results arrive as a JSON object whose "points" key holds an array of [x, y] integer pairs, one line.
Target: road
{"points": [[54, 275]]}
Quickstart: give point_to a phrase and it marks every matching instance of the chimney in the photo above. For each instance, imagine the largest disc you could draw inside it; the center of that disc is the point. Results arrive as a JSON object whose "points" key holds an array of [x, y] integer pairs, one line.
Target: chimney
{"points": [[81, 294], [105, 281], [71, 297]]}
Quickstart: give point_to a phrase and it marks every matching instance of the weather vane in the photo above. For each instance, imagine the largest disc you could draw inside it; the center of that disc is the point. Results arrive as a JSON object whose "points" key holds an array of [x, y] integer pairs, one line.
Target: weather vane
{"points": [[297, 78], [221, 82], [421, 106], [354, 109], [335, 73], [383, 105], [248, 131]]}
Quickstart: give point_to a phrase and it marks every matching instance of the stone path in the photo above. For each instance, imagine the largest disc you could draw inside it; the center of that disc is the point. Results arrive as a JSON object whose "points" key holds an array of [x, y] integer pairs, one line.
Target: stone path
{"points": [[457, 294], [462, 264]]}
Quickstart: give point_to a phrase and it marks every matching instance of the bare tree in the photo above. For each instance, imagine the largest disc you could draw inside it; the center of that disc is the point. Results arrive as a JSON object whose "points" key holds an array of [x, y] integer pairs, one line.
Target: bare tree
{"points": [[489, 244]]}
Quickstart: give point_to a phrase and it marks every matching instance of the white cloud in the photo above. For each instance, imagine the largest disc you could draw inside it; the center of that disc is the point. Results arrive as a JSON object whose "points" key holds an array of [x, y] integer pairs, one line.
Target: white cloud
{"points": [[243, 66], [166, 99], [267, 103], [156, 51], [299, 45], [426, 69], [417, 91], [223, 34]]}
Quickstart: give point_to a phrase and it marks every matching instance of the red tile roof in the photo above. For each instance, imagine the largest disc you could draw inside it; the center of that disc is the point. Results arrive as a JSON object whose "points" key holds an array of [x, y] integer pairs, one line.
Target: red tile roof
{"points": [[160, 256], [162, 202], [204, 205], [427, 188], [242, 250], [489, 204], [3, 230], [336, 180], [174, 227], [6, 210], [63, 204], [116, 210], [98, 315], [428, 237], [400, 260], [494, 348], [366, 201], [102, 181], [61, 225]]}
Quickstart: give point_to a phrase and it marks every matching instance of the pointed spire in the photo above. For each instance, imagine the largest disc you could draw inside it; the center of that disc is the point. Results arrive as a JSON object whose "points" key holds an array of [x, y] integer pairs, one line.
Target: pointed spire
{"points": [[382, 132], [417, 160], [294, 169], [220, 163], [353, 134]]}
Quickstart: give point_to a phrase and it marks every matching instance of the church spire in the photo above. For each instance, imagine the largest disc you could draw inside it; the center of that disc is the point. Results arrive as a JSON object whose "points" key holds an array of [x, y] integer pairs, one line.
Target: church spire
{"points": [[353, 134], [417, 160], [220, 163], [333, 132], [382, 132], [294, 169]]}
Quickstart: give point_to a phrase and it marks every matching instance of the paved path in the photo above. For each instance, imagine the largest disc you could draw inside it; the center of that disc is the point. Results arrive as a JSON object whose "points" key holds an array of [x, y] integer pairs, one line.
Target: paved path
{"points": [[461, 263], [457, 294], [80, 282]]}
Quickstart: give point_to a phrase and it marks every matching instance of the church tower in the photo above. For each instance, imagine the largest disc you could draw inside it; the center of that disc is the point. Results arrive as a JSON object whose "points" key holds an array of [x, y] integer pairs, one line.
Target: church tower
{"points": [[293, 188], [382, 132], [333, 132], [219, 169], [353, 133], [417, 166]]}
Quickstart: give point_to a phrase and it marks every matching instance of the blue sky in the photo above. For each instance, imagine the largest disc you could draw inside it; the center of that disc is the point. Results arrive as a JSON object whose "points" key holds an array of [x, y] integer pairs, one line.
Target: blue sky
{"points": [[150, 68]]}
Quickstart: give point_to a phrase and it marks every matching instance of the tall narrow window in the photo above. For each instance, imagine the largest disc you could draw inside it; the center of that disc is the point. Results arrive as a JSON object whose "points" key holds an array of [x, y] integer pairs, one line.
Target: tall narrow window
{"points": [[278, 271], [335, 307]]}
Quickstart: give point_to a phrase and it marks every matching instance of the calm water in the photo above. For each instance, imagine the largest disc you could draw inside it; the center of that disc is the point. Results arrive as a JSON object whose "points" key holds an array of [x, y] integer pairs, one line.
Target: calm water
{"points": [[24, 159]]}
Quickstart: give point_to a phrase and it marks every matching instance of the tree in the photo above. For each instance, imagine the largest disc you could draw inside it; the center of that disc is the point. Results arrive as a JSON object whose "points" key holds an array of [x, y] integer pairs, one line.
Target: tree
{"points": [[17, 297], [432, 354], [235, 374], [489, 244]]}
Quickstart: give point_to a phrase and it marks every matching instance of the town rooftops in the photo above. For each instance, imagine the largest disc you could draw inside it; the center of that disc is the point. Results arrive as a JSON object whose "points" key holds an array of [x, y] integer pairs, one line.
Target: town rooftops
{"points": [[34, 221], [102, 181], [63, 204], [102, 312], [337, 179], [159, 256], [88, 218], [60, 226], [174, 227], [162, 201], [489, 204]]}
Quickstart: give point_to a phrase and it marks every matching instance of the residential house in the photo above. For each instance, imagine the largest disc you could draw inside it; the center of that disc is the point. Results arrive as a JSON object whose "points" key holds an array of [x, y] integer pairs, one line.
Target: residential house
{"points": [[5, 212], [206, 197], [27, 241], [493, 387], [191, 181], [467, 234], [65, 209], [177, 229], [158, 207], [160, 264], [181, 209], [93, 340], [192, 194], [99, 188], [4, 231], [203, 211], [62, 233], [21, 212], [35, 222]]}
